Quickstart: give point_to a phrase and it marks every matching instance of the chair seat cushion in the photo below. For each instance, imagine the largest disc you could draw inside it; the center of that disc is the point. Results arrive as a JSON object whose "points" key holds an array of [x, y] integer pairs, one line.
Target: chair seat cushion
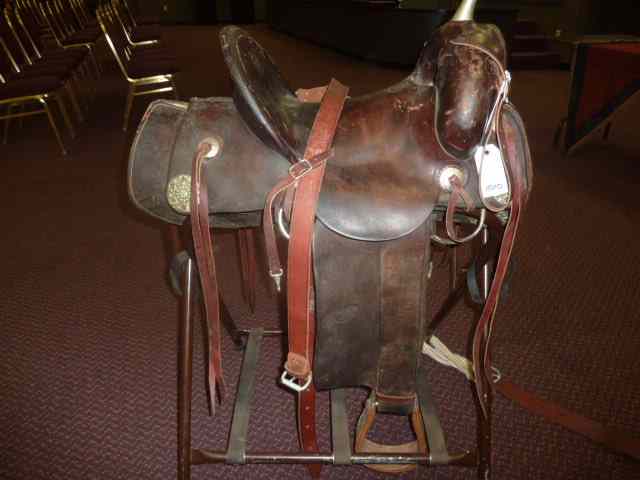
{"points": [[72, 54], [152, 51], [22, 87], [148, 20], [69, 62], [146, 33], [148, 67], [62, 72], [83, 36]]}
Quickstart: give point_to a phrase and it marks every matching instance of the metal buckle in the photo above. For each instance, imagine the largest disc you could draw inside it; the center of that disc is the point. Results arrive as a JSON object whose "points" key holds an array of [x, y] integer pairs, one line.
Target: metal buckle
{"points": [[306, 168], [496, 374], [277, 278], [292, 382]]}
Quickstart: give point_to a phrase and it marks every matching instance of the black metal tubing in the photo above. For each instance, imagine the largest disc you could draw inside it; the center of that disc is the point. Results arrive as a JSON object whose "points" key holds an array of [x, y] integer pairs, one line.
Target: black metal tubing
{"points": [[204, 456], [237, 445], [236, 448]]}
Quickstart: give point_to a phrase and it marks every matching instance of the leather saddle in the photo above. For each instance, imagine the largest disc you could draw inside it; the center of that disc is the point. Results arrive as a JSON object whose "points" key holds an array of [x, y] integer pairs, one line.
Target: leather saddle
{"points": [[380, 147], [397, 154]]}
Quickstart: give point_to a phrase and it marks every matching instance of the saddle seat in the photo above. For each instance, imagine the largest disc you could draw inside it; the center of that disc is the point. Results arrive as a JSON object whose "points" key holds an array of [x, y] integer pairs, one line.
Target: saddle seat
{"points": [[381, 182]]}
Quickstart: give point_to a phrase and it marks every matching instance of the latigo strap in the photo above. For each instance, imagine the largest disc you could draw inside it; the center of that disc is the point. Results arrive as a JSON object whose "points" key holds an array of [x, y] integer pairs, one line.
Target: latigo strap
{"points": [[305, 181], [303, 215], [203, 246]]}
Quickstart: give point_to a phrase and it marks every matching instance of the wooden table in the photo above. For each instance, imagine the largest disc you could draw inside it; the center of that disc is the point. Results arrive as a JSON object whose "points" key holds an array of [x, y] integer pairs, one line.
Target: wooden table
{"points": [[605, 74]]}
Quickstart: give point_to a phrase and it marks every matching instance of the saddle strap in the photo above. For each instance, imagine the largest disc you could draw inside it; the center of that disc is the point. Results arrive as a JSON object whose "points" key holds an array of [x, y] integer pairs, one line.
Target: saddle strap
{"points": [[203, 246], [482, 334], [303, 215]]}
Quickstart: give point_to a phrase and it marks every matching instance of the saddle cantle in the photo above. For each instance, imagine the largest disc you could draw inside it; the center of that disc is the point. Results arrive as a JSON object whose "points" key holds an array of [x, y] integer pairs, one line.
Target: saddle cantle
{"points": [[396, 155]]}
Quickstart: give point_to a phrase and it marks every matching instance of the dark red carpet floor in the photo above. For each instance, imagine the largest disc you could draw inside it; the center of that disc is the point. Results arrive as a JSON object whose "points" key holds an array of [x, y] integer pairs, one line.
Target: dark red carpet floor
{"points": [[89, 325]]}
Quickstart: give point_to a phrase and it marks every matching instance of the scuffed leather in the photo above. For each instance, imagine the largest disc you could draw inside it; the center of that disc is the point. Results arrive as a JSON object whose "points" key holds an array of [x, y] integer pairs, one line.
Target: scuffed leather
{"points": [[390, 147]]}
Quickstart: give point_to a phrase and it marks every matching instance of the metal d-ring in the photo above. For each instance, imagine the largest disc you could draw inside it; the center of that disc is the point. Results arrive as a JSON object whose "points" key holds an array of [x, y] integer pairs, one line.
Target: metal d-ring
{"points": [[451, 242], [280, 222]]}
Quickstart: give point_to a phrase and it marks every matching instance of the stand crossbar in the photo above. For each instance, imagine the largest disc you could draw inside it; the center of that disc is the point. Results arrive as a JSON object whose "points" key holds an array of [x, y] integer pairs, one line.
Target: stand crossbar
{"points": [[236, 452]]}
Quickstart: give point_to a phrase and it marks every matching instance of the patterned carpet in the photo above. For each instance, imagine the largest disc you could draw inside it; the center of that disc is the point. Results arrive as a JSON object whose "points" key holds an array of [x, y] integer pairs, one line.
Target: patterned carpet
{"points": [[89, 324]]}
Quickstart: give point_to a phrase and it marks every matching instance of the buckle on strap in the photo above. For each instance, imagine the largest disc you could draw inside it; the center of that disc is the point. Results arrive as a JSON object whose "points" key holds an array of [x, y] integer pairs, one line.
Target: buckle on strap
{"points": [[293, 383], [277, 278], [305, 165], [300, 169]]}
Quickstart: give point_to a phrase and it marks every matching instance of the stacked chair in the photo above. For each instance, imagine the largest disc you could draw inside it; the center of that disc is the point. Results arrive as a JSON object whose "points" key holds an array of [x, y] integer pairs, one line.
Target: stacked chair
{"points": [[48, 62], [34, 80], [137, 20], [145, 64], [135, 35]]}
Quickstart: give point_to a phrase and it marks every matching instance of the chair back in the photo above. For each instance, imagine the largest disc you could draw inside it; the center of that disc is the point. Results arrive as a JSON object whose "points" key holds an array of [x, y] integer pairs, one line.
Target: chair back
{"points": [[113, 39]]}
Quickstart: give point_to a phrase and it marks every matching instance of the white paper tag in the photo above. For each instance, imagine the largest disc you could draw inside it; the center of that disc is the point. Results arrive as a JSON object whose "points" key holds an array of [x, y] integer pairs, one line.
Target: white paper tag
{"points": [[493, 178]]}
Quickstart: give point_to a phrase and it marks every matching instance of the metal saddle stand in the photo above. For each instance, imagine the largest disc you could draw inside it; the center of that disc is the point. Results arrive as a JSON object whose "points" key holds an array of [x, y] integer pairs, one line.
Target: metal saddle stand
{"points": [[184, 279]]}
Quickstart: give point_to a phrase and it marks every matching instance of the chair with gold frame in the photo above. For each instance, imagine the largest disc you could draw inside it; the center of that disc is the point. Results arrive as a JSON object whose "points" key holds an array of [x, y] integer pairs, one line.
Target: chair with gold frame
{"points": [[66, 69], [140, 70], [135, 36], [65, 35], [33, 91], [27, 29], [136, 20]]}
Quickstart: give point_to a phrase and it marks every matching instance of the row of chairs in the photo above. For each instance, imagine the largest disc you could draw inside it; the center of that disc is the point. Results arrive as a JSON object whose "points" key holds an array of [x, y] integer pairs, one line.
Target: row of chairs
{"points": [[33, 78], [146, 65]]}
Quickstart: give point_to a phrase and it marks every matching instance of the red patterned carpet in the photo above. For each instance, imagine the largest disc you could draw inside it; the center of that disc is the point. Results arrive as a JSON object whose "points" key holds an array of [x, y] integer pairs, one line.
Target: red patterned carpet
{"points": [[88, 321]]}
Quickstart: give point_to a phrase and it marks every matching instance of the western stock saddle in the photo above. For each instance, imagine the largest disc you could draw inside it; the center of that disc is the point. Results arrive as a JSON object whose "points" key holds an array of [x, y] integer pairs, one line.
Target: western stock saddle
{"points": [[358, 187]]}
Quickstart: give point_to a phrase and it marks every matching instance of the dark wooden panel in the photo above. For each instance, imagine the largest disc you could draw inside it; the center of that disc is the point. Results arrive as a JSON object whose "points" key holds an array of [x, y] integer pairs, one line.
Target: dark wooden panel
{"points": [[378, 32]]}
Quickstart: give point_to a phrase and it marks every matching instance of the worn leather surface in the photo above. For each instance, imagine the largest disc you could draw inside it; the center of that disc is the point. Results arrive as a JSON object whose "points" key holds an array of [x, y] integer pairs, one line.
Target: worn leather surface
{"points": [[381, 185], [150, 156], [370, 333], [390, 146]]}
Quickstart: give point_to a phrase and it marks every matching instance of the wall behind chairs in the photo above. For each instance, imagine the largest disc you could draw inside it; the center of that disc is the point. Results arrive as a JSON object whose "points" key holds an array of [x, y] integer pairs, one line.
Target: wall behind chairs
{"points": [[205, 11]]}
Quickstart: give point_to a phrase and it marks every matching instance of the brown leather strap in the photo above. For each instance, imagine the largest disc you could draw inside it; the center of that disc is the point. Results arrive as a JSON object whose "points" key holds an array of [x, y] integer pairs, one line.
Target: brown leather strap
{"points": [[203, 246], [285, 185], [457, 192], [612, 438], [303, 189], [303, 215], [247, 253], [482, 334]]}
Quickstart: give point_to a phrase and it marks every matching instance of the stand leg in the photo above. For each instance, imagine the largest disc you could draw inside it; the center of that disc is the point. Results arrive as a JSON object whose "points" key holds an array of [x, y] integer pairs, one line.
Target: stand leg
{"points": [[230, 326], [185, 377], [484, 428], [246, 248]]}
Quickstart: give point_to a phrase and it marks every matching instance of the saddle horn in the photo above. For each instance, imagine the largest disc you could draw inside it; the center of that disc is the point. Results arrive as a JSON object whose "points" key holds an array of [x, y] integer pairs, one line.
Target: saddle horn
{"points": [[465, 11]]}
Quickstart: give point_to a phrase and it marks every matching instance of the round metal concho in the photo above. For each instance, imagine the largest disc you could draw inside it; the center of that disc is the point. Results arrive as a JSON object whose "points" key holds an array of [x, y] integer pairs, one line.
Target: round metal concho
{"points": [[216, 146], [448, 172], [179, 193]]}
